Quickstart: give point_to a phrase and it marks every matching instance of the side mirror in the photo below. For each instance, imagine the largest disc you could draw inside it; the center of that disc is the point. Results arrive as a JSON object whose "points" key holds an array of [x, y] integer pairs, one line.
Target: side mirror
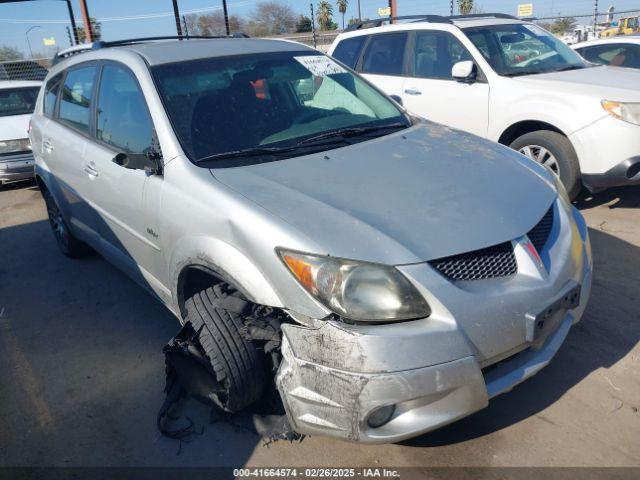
{"points": [[464, 71], [397, 99], [139, 161]]}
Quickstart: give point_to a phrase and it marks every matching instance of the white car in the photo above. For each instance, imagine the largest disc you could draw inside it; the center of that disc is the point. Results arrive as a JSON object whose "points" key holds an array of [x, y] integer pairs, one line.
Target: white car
{"points": [[512, 82], [17, 101], [622, 51]]}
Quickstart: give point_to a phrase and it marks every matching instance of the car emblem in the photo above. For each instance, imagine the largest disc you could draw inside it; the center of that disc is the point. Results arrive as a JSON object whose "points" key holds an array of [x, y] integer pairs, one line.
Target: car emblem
{"points": [[533, 252]]}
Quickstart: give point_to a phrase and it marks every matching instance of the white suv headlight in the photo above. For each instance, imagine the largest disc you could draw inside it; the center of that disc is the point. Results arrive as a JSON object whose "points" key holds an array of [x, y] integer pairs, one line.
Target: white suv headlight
{"points": [[355, 290], [629, 112]]}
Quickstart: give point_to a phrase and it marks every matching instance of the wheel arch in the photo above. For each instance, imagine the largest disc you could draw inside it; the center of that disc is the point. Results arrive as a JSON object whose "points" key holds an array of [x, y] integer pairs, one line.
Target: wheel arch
{"points": [[526, 126], [203, 262]]}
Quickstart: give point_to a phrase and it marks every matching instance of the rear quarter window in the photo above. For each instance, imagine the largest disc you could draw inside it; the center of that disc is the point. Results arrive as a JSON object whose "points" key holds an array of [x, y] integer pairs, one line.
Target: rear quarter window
{"points": [[348, 50]]}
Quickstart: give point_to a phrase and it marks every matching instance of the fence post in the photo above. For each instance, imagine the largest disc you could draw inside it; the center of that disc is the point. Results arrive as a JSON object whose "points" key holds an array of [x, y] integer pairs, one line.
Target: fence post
{"points": [[313, 26]]}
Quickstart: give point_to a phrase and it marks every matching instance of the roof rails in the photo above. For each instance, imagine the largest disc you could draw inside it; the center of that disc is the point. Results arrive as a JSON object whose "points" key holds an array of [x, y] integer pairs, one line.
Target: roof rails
{"points": [[85, 47], [378, 22]]}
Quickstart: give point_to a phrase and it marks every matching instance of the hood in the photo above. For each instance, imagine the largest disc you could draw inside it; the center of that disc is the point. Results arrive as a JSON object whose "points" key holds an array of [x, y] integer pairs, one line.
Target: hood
{"points": [[424, 193], [14, 127], [613, 83]]}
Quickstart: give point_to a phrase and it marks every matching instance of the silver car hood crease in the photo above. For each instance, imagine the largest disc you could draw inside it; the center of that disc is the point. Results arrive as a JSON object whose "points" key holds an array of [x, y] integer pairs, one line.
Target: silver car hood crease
{"points": [[425, 193]]}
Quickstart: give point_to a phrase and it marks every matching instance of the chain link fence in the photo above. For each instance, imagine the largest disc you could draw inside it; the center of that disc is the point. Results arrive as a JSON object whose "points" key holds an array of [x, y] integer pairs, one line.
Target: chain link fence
{"points": [[25, 69]]}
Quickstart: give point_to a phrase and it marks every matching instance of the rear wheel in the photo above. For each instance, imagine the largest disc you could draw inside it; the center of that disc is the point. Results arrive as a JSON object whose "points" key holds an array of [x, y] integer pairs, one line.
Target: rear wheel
{"points": [[238, 365], [68, 244], [555, 151]]}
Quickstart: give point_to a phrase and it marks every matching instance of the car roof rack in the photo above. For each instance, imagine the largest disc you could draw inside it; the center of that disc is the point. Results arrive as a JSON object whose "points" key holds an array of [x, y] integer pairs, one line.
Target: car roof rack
{"points": [[504, 16], [97, 45], [378, 22]]}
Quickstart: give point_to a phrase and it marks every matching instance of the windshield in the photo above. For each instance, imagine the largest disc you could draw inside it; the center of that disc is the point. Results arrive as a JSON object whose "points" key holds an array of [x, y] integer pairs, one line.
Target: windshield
{"points": [[17, 101], [523, 49], [270, 103]]}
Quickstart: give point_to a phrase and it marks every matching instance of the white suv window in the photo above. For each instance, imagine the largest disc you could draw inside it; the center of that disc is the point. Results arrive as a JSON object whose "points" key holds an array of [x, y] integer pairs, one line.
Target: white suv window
{"points": [[385, 54], [435, 53]]}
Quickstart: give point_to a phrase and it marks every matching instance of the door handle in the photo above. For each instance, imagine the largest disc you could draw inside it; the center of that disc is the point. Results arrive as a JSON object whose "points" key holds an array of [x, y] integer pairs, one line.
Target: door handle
{"points": [[47, 145], [88, 169], [412, 91]]}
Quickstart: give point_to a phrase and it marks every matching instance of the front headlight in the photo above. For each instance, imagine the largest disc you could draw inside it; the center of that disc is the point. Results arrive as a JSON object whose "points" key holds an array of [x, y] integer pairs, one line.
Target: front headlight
{"points": [[357, 291], [14, 146], [629, 112]]}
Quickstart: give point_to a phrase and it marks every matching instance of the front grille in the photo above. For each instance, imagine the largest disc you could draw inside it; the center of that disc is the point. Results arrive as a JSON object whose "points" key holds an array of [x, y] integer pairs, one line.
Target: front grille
{"points": [[491, 262], [539, 234]]}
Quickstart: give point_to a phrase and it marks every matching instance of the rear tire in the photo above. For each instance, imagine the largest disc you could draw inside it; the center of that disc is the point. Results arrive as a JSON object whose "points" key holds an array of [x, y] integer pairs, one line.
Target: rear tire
{"points": [[554, 150], [67, 242], [236, 362]]}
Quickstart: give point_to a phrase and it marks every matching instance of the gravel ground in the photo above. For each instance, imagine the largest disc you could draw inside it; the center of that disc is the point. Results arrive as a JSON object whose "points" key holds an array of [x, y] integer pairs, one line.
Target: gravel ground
{"points": [[83, 373]]}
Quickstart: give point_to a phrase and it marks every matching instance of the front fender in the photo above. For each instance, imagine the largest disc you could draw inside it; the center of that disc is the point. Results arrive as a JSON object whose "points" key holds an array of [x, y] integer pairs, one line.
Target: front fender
{"points": [[224, 260]]}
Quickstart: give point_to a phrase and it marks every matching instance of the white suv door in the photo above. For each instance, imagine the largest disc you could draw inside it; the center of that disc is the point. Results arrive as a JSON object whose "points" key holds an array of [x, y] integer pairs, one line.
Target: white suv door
{"points": [[430, 91], [383, 62]]}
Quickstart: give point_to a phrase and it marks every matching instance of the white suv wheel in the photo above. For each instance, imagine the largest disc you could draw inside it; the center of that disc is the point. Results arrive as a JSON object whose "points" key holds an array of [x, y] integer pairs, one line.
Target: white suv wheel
{"points": [[541, 155]]}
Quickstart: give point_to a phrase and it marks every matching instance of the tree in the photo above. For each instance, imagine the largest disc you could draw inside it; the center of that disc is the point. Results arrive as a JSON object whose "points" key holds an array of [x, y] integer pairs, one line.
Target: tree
{"points": [[465, 6], [96, 29], [10, 53], [271, 18], [304, 24], [325, 15], [212, 24], [563, 25], [342, 8]]}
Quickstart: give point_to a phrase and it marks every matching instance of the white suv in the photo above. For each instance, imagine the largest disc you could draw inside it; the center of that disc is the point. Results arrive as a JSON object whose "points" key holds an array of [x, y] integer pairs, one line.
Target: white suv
{"points": [[510, 81]]}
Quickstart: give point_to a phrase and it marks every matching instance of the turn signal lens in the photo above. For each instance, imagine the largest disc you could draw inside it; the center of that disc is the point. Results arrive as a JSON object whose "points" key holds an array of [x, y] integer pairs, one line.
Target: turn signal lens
{"points": [[629, 112]]}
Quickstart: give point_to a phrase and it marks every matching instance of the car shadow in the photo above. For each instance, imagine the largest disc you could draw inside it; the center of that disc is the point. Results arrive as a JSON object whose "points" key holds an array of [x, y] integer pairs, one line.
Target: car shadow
{"points": [[621, 197], [81, 349], [609, 330]]}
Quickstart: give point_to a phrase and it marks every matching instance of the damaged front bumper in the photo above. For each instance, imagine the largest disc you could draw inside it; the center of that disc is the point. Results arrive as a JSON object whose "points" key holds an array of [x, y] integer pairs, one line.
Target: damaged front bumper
{"points": [[434, 371]]}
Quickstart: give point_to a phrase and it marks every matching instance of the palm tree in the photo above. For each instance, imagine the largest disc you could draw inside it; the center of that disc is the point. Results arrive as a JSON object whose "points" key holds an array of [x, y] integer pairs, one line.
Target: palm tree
{"points": [[342, 8], [465, 6], [325, 14]]}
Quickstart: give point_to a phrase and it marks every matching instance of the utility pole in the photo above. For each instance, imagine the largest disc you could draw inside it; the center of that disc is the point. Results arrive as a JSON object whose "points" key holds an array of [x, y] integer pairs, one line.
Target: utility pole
{"points": [[313, 26], [451, 9], [176, 15], [595, 18], [226, 17], [393, 7], [74, 29], [87, 21], [359, 12], [69, 35]]}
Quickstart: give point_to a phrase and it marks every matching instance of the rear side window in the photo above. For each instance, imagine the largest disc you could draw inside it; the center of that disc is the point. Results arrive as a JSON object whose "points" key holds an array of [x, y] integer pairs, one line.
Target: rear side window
{"points": [[385, 54], [123, 119], [348, 50], [17, 101], [51, 95], [75, 102]]}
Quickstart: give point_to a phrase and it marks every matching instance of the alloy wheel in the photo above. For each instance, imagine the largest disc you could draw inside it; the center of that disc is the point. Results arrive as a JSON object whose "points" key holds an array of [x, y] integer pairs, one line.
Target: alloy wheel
{"points": [[57, 224], [541, 155]]}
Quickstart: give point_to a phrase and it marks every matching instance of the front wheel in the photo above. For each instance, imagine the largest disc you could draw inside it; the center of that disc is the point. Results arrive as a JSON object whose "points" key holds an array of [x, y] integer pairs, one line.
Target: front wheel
{"points": [[555, 151]]}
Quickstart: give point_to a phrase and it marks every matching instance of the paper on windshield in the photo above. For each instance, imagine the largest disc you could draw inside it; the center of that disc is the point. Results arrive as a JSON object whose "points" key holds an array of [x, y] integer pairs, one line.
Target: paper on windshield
{"points": [[320, 65]]}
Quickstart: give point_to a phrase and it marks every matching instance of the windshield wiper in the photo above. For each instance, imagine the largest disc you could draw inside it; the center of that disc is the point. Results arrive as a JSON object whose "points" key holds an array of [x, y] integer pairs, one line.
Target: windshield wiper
{"points": [[247, 152], [351, 132]]}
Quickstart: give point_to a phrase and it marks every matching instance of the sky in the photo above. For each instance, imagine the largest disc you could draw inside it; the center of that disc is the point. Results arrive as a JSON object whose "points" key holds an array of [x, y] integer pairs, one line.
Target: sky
{"points": [[49, 17]]}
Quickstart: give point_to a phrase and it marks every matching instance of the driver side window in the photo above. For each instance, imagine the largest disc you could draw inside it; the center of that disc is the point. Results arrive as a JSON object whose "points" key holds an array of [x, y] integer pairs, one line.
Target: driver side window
{"points": [[123, 119]]}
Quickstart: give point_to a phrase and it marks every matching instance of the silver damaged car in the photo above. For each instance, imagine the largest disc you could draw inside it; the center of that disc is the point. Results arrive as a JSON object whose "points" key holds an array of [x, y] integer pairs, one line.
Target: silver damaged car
{"points": [[408, 272]]}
